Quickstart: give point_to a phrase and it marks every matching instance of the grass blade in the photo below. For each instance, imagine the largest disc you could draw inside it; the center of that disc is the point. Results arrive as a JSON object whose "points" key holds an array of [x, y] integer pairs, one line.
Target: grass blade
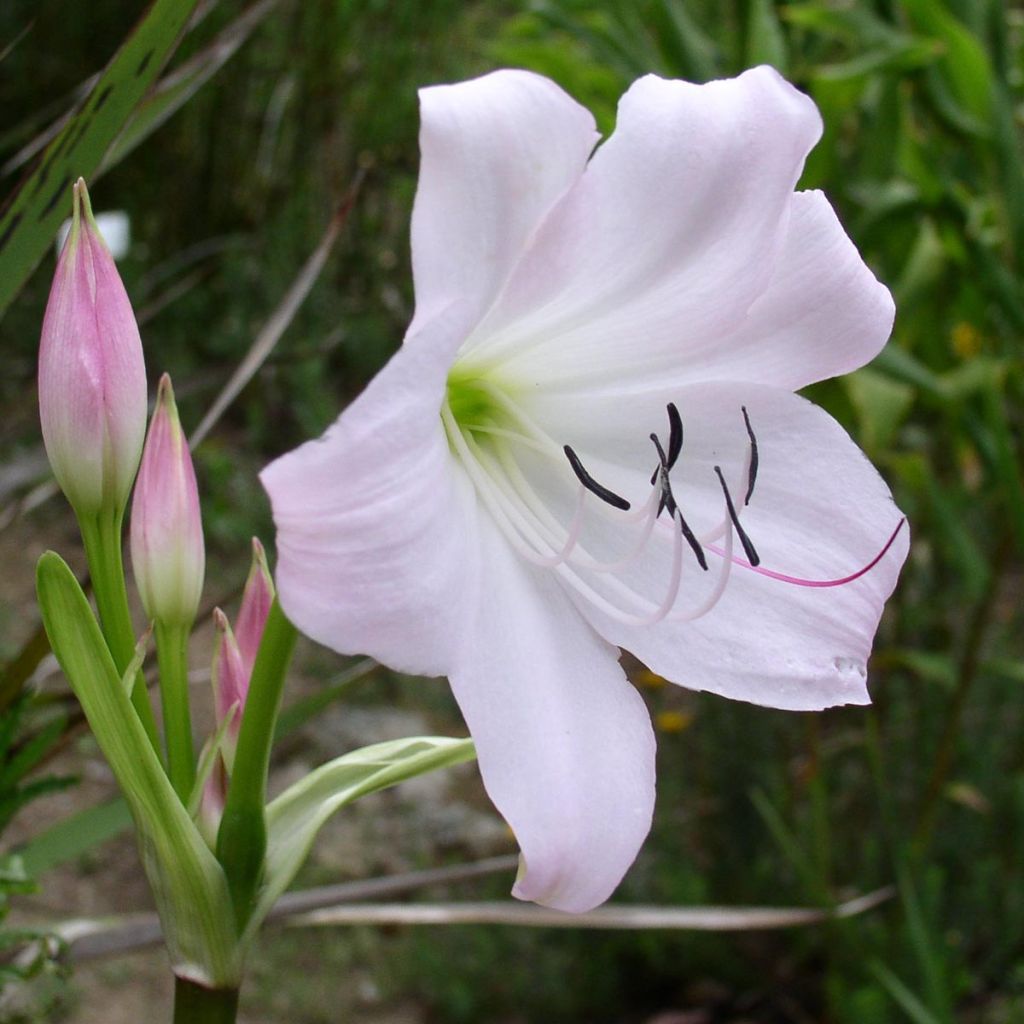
{"points": [[32, 214]]}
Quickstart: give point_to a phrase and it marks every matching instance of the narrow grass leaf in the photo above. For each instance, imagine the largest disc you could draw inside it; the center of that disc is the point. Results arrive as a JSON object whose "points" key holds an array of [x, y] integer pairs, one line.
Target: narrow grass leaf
{"points": [[31, 216], [901, 995], [174, 90], [75, 836]]}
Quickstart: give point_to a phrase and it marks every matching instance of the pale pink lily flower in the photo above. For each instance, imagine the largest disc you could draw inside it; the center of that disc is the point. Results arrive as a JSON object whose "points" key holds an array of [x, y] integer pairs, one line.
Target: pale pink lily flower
{"points": [[92, 377], [168, 556], [596, 329]]}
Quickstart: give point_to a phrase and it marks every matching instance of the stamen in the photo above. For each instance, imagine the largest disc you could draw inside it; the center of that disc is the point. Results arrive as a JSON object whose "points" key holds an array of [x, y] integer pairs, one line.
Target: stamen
{"points": [[613, 499], [753, 557], [524, 537], [511, 435], [716, 591], [675, 438], [800, 582], [668, 501], [752, 471]]}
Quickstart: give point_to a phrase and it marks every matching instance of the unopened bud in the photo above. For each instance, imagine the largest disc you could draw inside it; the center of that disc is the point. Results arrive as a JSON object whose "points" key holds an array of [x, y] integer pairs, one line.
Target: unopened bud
{"points": [[92, 377], [230, 677], [166, 529], [257, 598]]}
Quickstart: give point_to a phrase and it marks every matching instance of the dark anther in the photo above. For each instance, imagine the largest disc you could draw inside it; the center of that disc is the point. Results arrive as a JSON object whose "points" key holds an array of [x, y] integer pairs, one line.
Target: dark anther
{"points": [[751, 479], [591, 484], [752, 556], [675, 439], [675, 435], [668, 501]]}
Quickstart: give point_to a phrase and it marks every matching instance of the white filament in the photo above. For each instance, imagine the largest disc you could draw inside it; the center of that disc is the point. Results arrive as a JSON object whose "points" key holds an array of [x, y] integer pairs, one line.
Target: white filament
{"points": [[537, 535]]}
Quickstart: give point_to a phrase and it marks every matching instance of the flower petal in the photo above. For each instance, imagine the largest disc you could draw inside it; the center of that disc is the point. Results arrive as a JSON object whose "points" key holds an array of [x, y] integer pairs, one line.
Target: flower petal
{"points": [[371, 519], [564, 742], [822, 314], [671, 233], [497, 153], [819, 511]]}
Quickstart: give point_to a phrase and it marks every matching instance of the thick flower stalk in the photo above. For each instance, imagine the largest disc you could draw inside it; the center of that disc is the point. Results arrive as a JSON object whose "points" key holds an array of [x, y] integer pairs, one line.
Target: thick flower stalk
{"points": [[92, 377], [590, 440]]}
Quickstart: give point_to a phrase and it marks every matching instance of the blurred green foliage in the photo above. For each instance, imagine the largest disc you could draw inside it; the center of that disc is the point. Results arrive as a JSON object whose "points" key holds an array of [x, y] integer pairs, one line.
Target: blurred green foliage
{"points": [[921, 155]]}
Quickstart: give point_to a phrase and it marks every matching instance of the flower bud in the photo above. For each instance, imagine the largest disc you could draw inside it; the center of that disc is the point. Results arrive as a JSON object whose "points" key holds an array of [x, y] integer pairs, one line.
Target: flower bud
{"points": [[92, 378], [166, 530], [211, 803], [256, 601], [230, 678]]}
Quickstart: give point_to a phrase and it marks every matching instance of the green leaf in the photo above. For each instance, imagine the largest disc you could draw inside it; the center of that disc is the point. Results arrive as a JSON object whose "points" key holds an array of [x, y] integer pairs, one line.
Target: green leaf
{"points": [[73, 836], [766, 43], [295, 817], [909, 1003], [188, 884], [33, 214], [965, 68], [881, 404], [693, 53], [177, 88]]}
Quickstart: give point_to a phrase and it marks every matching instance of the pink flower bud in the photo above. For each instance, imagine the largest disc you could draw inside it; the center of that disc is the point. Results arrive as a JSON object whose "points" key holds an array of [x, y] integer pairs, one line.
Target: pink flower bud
{"points": [[230, 685], [211, 804], [92, 378], [256, 601], [166, 530]]}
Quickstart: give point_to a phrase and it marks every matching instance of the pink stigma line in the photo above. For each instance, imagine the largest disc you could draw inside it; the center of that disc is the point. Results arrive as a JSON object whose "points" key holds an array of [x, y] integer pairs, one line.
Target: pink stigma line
{"points": [[797, 581]]}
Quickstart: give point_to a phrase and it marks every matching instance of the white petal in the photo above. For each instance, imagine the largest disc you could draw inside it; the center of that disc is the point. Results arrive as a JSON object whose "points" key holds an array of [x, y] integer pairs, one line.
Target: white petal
{"points": [[822, 314], [564, 742], [373, 519], [819, 511], [671, 233], [497, 153]]}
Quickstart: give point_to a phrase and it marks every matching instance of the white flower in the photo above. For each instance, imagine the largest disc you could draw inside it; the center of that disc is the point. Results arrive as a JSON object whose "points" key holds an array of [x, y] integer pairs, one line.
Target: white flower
{"points": [[670, 282]]}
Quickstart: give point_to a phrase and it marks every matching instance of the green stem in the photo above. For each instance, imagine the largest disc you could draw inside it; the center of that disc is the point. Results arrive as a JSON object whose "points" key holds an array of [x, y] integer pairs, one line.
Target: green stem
{"points": [[102, 537], [194, 1004], [172, 657], [242, 839]]}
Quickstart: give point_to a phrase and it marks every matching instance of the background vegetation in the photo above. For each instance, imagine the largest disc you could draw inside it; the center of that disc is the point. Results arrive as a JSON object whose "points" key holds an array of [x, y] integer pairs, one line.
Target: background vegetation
{"points": [[924, 790]]}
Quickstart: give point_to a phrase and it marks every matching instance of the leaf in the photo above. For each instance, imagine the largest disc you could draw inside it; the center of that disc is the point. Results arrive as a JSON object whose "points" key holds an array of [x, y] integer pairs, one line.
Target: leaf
{"points": [[964, 85], [301, 711], [30, 753], [75, 835], [188, 884], [909, 1003], [881, 404], [295, 817], [620, 916], [177, 88], [694, 54], [35, 210], [766, 42]]}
